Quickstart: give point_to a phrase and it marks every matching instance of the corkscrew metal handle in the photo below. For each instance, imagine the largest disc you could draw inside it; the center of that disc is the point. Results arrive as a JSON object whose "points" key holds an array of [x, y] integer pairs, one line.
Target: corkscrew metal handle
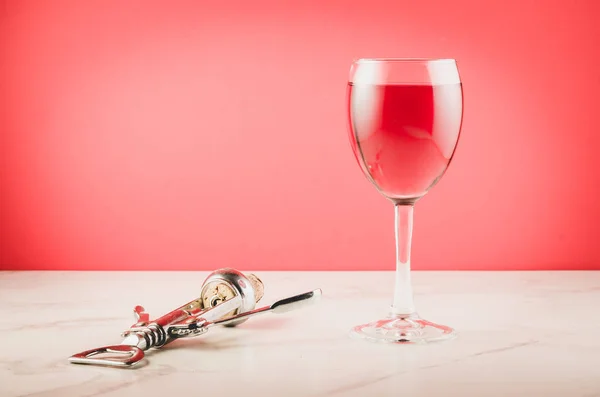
{"points": [[121, 356]]}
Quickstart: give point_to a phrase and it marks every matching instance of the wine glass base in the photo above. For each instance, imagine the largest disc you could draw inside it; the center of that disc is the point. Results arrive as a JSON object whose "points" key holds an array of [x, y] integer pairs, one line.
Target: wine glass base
{"points": [[409, 329]]}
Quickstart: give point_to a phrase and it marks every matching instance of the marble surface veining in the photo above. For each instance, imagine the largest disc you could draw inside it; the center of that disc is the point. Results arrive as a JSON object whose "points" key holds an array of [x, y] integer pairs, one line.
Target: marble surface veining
{"points": [[520, 334]]}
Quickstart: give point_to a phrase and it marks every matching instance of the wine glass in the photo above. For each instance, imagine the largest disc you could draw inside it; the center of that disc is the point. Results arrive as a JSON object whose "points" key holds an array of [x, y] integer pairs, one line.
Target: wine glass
{"points": [[405, 117]]}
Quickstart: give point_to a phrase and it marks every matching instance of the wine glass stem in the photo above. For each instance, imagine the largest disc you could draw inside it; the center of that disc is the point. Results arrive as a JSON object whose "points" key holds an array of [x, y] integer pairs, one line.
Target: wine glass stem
{"points": [[403, 296]]}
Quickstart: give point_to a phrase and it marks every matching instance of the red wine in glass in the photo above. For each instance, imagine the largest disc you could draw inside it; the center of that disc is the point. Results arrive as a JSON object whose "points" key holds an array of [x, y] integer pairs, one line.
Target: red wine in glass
{"points": [[405, 117], [406, 135]]}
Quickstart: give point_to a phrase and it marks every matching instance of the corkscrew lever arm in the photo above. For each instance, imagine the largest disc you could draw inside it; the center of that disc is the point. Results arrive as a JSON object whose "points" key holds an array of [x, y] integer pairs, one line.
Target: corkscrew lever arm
{"points": [[281, 306]]}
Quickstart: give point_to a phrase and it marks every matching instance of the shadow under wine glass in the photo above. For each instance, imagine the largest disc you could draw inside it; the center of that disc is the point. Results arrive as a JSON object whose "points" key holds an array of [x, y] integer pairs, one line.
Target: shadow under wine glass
{"points": [[405, 117]]}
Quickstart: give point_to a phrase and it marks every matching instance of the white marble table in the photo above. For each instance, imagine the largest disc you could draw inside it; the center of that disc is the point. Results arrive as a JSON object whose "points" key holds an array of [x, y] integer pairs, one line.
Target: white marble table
{"points": [[521, 334]]}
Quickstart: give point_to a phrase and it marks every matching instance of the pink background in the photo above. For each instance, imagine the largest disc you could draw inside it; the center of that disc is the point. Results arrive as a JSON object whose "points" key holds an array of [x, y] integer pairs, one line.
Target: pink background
{"points": [[197, 134]]}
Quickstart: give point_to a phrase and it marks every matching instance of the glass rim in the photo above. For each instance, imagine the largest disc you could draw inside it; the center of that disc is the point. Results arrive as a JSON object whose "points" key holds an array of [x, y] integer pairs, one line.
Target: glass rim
{"points": [[405, 60]]}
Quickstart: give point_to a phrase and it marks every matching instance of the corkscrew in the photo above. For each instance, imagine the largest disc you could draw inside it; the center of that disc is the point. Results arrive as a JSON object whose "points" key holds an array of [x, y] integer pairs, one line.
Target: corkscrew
{"points": [[227, 298]]}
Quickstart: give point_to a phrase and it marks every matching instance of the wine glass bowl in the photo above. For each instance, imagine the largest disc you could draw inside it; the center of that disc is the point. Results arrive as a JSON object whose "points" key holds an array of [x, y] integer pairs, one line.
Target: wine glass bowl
{"points": [[404, 127], [405, 117]]}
